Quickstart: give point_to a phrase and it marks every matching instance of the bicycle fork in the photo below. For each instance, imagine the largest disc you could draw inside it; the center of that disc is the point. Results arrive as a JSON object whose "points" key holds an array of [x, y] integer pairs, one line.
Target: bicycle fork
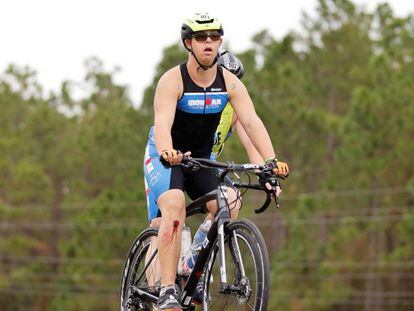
{"points": [[223, 217], [241, 285], [217, 231]]}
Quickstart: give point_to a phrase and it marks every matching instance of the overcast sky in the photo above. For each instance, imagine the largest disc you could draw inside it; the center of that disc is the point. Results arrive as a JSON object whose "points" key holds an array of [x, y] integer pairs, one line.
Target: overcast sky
{"points": [[54, 37]]}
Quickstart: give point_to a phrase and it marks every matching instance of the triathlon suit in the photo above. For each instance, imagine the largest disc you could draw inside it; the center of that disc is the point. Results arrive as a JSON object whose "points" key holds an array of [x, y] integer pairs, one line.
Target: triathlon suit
{"points": [[197, 116]]}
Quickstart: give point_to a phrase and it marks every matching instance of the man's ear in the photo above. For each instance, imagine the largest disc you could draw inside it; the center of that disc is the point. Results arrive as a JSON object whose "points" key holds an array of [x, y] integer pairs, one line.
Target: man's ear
{"points": [[187, 43]]}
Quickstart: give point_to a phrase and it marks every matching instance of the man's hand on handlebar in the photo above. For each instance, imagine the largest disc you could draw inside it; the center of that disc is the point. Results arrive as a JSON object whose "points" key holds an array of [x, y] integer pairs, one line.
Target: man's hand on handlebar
{"points": [[281, 169], [173, 156]]}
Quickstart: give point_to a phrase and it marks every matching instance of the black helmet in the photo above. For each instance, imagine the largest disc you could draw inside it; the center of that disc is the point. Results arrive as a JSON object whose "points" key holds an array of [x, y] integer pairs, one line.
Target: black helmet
{"points": [[232, 63]]}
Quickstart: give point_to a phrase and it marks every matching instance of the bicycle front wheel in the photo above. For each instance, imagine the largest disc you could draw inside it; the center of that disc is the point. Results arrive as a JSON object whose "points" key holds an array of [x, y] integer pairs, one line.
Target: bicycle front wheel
{"points": [[141, 273], [247, 270]]}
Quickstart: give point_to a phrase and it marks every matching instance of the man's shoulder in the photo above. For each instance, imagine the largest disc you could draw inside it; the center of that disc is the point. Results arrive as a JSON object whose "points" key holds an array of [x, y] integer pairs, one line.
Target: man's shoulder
{"points": [[233, 84], [228, 75], [172, 74], [171, 80]]}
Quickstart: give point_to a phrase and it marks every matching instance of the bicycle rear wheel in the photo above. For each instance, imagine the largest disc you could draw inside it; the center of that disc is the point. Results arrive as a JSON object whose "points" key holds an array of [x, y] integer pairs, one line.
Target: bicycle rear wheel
{"points": [[248, 292], [141, 273]]}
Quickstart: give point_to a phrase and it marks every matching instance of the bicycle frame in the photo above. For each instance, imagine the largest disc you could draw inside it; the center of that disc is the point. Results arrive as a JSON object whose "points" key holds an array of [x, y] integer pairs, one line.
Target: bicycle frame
{"points": [[216, 232]]}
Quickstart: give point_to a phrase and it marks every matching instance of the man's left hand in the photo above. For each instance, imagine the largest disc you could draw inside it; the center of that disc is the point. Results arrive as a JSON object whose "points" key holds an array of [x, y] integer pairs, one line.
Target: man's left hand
{"points": [[281, 169]]}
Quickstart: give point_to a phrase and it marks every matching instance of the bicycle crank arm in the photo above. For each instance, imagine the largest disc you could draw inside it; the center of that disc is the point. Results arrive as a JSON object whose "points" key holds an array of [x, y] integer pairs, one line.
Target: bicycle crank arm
{"points": [[143, 294]]}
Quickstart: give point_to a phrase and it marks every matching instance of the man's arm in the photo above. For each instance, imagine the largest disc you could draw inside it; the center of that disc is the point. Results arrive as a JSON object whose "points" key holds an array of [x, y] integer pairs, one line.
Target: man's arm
{"points": [[168, 90], [255, 130], [243, 107]]}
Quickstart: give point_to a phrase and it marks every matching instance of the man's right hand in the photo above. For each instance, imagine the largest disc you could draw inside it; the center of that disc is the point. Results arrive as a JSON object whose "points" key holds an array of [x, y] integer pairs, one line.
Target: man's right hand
{"points": [[172, 156]]}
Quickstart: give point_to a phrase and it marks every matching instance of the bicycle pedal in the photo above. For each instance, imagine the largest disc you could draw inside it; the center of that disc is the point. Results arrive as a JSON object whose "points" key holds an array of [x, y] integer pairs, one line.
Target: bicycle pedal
{"points": [[137, 304]]}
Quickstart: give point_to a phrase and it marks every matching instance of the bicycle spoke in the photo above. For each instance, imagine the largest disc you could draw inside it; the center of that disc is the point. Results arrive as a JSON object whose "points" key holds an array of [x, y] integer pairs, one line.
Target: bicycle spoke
{"points": [[245, 279], [250, 306]]}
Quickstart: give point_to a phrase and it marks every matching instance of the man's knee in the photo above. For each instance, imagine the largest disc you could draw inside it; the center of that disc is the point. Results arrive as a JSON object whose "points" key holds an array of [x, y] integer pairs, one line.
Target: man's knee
{"points": [[233, 201], [172, 203], [155, 222]]}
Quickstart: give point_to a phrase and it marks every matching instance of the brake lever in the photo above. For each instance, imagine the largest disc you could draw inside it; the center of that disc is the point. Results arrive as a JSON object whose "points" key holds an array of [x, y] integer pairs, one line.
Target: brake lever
{"points": [[274, 188], [276, 198], [271, 185], [273, 191]]}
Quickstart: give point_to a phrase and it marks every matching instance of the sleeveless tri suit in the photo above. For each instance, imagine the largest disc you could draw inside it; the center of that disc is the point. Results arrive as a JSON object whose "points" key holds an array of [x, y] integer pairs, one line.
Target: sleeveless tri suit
{"points": [[197, 117]]}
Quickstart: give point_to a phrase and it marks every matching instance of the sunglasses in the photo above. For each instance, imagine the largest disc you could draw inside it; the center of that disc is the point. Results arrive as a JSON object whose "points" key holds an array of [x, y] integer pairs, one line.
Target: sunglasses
{"points": [[202, 36]]}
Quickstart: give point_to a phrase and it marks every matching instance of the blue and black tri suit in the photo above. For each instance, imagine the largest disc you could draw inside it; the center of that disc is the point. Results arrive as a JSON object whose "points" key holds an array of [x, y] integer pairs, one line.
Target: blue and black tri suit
{"points": [[196, 119]]}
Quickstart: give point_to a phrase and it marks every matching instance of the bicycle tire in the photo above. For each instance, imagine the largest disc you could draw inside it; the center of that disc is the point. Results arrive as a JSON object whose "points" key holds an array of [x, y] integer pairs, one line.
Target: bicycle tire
{"points": [[250, 240], [136, 257]]}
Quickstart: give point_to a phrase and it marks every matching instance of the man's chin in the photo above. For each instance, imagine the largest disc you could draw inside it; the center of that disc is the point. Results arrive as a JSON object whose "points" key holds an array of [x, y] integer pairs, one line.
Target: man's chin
{"points": [[207, 61]]}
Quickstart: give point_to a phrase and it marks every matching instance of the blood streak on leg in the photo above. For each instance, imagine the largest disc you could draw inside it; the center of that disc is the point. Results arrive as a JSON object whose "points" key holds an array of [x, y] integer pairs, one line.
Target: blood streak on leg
{"points": [[176, 223], [174, 232]]}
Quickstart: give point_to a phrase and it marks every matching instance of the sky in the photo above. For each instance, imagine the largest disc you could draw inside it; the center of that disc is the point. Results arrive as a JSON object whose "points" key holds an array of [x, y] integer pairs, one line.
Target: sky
{"points": [[54, 37]]}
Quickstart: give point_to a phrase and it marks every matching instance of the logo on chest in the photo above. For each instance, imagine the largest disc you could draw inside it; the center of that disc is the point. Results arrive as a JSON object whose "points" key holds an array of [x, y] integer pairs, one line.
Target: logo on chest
{"points": [[199, 103], [208, 102]]}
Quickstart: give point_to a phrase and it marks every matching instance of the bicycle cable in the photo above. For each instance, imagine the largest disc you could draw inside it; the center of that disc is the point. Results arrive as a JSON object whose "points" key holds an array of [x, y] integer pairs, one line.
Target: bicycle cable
{"points": [[239, 193]]}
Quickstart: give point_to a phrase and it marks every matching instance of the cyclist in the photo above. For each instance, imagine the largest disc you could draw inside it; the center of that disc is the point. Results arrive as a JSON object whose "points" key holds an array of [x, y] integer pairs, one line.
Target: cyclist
{"points": [[227, 125], [188, 104]]}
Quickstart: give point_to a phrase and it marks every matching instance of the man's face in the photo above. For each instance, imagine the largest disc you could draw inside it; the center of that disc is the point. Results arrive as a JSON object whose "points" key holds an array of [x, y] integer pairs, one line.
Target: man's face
{"points": [[205, 45]]}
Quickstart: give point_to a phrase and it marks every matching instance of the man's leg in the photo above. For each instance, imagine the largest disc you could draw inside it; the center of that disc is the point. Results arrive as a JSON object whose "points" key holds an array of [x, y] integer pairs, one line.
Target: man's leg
{"points": [[234, 205], [154, 270], [172, 206]]}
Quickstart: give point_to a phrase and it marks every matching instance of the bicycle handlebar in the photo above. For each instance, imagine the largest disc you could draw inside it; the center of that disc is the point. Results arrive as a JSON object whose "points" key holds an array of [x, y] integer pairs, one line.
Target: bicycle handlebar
{"points": [[264, 172], [190, 162]]}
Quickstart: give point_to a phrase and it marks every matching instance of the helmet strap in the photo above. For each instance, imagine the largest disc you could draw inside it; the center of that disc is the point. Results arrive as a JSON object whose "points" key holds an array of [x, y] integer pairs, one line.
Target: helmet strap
{"points": [[204, 67]]}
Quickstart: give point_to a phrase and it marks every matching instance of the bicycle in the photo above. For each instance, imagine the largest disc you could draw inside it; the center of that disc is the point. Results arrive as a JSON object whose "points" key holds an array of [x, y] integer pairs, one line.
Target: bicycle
{"points": [[241, 276]]}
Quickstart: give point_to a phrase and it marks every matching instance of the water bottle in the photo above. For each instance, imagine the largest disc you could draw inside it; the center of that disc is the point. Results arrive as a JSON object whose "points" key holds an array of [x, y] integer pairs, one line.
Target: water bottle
{"points": [[185, 246], [191, 256]]}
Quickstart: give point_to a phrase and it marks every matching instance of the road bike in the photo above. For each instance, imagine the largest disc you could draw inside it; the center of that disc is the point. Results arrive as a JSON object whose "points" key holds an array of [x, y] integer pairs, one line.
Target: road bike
{"points": [[233, 261]]}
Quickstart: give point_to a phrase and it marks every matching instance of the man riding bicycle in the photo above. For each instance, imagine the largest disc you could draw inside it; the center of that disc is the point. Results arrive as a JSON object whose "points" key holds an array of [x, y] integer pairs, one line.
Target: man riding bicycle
{"points": [[188, 104]]}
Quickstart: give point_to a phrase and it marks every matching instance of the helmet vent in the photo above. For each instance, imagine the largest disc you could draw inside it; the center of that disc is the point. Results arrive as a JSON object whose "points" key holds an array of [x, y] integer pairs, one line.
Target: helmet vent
{"points": [[205, 21]]}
